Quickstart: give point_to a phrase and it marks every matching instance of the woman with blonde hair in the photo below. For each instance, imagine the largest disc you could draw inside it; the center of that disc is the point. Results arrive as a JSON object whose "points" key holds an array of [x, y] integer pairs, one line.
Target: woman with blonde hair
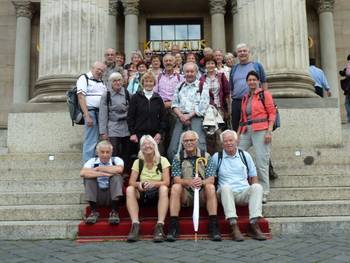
{"points": [[148, 183]]}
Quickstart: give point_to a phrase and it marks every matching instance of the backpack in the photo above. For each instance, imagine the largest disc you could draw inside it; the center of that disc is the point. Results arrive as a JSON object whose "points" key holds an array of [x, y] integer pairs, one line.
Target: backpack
{"points": [[109, 101], [75, 112], [200, 88], [277, 122], [141, 164], [241, 155]]}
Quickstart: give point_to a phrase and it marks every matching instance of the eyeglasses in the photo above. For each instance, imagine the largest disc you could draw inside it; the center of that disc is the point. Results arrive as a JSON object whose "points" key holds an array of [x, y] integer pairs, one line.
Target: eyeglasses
{"points": [[189, 140], [148, 53]]}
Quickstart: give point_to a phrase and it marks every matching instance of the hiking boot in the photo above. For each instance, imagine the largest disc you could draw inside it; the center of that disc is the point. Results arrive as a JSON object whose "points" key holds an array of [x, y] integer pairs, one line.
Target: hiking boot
{"points": [[254, 232], [134, 233], [236, 233], [213, 229], [113, 218], [158, 234], [92, 218], [174, 229]]}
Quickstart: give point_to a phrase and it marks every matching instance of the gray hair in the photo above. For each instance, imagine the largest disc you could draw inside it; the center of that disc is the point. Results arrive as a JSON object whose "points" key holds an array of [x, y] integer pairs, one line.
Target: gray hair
{"points": [[102, 144], [190, 64], [241, 45], [137, 53], [150, 139], [229, 132], [115, 76], [168, 55], [228, 55]]}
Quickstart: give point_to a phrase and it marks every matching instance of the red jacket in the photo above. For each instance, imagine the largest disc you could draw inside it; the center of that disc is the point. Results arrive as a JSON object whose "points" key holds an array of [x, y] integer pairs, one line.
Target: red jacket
{"points": [[259, 112]]}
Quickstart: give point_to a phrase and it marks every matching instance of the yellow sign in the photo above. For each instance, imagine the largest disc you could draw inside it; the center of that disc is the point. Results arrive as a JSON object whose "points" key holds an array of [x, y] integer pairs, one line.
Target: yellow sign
{"points": [[165, 46]]}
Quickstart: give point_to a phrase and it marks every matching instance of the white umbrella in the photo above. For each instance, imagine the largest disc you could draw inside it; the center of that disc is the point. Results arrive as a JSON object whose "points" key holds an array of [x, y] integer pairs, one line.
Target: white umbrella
{"points": [[195, 216]]}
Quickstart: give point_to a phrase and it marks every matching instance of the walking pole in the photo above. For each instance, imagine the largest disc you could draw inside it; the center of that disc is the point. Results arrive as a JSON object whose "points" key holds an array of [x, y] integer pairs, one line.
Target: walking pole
{"points": [[195, 216]]}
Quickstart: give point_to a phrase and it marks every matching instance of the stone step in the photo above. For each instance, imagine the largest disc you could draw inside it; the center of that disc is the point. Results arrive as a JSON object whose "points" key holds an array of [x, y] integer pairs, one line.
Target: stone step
{"points": [[41, 161], [309, 225], [33, 230], [43, 198], [3, 138], [320, 169], [38, 174], [309, 194], [41, 212], [42, 186], [310, 181], [307, 208]]}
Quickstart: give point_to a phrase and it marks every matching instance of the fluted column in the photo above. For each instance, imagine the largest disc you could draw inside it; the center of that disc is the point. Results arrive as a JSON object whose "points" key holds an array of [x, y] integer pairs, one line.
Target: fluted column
{"points": [[131, 33], [235, 36], [217, 12], [72, 37], [112, 25], [327, 43], [22, 56], [276, 31]]}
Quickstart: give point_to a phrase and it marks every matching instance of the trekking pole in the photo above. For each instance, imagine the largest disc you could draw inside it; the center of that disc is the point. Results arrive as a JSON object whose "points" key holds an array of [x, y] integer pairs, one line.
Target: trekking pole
{"points": [[195, 216]]}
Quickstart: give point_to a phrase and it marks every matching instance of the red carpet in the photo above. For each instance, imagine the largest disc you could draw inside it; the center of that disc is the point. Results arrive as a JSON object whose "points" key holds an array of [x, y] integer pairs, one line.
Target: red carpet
{"points": [[102, 231]]}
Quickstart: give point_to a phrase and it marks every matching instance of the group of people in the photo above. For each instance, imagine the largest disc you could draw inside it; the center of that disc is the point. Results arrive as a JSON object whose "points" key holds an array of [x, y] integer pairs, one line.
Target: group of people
{"points": [[152, 119]]}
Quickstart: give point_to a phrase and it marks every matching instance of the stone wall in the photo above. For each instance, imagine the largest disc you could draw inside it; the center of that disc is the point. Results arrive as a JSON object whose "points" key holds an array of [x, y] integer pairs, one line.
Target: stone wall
{"points": [[7, 57]]}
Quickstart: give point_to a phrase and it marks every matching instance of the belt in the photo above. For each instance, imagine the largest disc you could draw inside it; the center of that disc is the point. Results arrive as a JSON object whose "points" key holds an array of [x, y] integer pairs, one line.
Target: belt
{"points": [[93, 109], [249, 122]]}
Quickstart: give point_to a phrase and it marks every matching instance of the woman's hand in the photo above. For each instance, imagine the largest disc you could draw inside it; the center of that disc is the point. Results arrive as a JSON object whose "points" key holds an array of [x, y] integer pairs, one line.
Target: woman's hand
{"points": [[268, 137], [133, 138], [147, 185]]}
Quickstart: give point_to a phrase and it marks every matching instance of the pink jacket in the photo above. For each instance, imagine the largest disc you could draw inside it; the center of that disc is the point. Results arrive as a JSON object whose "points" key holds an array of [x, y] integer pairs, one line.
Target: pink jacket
{"points": [[259, 112]]}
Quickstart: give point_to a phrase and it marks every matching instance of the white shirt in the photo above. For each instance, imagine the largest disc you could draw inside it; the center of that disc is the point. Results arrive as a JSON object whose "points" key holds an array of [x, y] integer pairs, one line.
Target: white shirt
{"points": [[91, 89]]}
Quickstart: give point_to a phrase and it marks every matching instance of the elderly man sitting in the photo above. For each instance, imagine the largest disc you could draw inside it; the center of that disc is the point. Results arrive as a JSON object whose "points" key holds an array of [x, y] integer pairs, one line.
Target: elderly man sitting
{"points": [[103, 182], [183, 172], [235, 169]]}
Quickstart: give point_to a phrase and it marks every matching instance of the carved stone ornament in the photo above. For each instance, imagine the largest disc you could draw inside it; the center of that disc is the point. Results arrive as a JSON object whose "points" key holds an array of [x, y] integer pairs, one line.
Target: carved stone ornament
{"points": [[131, 7], [23, 8], [113, 4], [325, 6], [217, 6], [234, 8]]}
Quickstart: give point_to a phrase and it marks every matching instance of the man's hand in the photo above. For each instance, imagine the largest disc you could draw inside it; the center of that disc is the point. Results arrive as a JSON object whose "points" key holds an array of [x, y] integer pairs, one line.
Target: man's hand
{"points": [[329, 94], [167, 104], [88, 120], [133, 138], [197, 182]]}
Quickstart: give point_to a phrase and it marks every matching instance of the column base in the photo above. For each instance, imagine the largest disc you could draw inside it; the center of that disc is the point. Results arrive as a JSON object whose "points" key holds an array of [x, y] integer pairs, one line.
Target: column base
{"points": [[291, 85], [50, 89]]}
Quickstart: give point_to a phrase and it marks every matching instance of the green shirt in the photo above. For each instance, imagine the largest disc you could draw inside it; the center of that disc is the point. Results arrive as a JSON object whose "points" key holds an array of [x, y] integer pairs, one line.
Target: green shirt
{"points": [[148, 175]]}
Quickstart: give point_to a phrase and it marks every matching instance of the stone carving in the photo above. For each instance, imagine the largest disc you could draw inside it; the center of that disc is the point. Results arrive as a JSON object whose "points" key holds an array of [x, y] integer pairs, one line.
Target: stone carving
{"points": [[325, 6], [113, 4], [217, 6], [234, 8], [131, 7], [23, 9]]}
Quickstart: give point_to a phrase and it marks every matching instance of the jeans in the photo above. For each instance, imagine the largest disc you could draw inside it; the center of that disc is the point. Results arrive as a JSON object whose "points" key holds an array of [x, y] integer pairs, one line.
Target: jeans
{"points": [[91, 135], [347, 106]]}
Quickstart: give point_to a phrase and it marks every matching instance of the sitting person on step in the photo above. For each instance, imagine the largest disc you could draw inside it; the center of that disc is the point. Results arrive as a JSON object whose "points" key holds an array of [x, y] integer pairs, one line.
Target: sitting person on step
{"points": [[103, 182], [235, 170], [148, 183], [182, 193]]}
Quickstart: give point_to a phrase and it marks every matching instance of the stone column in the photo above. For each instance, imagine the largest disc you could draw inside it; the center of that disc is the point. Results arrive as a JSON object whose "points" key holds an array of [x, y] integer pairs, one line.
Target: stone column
{"points": [[327, 43], [234, 11], [276, 31], [112, 25], [72, 38], [131, 32], [217, 12], [22, 55]]}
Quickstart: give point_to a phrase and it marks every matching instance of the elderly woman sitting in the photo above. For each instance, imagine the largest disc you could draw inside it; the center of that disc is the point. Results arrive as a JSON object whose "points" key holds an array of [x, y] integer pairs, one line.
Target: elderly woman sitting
{"points": [[148, 183]]}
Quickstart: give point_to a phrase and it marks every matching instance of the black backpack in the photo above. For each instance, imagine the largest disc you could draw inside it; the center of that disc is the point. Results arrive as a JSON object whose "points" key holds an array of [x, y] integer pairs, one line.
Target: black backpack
{"points": [[109, 100], [241, 155], [75, 112], [277, 122]]}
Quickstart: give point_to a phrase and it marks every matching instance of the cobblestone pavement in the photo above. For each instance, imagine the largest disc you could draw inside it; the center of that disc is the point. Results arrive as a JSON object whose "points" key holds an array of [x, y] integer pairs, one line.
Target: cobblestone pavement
{"points": [[313, 249]]}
